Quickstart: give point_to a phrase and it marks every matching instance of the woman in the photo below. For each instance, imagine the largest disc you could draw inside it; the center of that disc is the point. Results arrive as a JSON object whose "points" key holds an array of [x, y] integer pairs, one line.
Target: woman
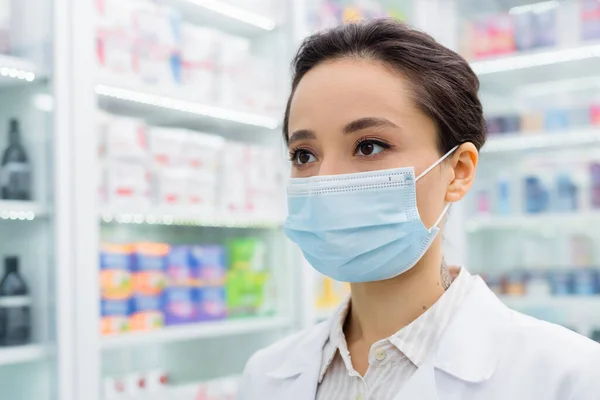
{"points": [[384, 128]]}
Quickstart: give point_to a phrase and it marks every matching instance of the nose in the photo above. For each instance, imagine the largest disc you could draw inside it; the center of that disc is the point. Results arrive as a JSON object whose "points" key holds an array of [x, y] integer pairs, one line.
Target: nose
{"points": [[333, 166]]}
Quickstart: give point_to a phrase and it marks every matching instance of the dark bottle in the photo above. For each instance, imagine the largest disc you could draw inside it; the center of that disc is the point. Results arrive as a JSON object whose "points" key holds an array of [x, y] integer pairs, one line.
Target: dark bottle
{"points": [[15, 317], [15, 171]]}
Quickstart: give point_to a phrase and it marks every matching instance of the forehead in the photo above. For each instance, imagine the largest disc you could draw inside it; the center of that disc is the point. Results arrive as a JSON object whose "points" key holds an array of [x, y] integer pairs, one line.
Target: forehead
{"points": [[336, 92]]}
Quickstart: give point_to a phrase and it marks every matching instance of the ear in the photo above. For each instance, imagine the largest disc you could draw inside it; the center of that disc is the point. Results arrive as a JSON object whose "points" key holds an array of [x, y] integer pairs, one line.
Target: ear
{"points": [[464, 163]]}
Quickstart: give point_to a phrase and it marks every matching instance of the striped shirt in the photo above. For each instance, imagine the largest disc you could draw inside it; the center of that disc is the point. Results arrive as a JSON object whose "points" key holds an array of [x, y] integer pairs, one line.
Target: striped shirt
{"points": [[392, 361]]}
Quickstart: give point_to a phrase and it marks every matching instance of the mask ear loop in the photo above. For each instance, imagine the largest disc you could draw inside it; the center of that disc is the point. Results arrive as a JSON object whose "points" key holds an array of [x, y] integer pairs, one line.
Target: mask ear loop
{"points": [[435, 164], [429, 170], [441, 216]]}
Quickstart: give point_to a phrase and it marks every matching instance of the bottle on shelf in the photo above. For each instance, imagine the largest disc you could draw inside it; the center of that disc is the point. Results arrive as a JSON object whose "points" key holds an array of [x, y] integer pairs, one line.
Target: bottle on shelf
{"points": [[503, 202], [15, 317], [15, 171]]}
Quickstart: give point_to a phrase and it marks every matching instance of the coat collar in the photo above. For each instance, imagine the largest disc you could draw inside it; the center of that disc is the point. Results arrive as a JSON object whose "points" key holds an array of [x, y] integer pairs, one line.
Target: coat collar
{"points": [[469, 349], [307, 353]]}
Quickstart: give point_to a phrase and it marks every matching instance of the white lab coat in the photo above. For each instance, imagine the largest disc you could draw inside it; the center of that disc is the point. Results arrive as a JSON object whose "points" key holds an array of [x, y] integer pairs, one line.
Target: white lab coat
{"points": [[488, 352]]}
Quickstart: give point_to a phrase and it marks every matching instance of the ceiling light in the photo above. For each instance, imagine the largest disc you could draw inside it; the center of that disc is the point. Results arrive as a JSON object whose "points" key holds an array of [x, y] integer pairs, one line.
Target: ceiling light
{"points": [[538, 59], [187, 106], [234, 12]]}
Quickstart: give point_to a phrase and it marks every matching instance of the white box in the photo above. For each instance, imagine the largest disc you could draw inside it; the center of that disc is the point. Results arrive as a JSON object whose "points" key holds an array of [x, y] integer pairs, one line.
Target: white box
{"points": [[125, 138], [232, 183], [202, 151], [260, 92], [171, 186], [114, 51], [201, 192], [232, 66], [127, 184], [199, 50], [115, 37], [157, 45], [167, 145], [265, 184]]}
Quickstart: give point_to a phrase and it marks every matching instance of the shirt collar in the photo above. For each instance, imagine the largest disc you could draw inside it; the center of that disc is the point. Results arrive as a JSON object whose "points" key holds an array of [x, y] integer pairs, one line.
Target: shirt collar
{"points": [[416, 340], [336, 340], [469, 349], [419, 338]]}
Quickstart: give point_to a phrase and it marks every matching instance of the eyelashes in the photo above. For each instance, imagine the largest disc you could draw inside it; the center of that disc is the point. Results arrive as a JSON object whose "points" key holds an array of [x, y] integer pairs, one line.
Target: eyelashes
{"points": [[296, 153], [371, 141], [365, 145]]}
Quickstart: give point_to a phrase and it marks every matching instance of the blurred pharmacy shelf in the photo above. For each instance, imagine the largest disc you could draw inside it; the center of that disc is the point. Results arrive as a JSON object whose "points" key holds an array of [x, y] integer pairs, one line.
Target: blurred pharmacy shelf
{"points": [[21, 210], [506, 143], [22, 354], [536, 58], [581, 313], [183, 217], [531, 221], [14, 70], [507, 74], [225, 16], [197, 122], [591, 303], [174, 104], [202, 330], [223, 388]]}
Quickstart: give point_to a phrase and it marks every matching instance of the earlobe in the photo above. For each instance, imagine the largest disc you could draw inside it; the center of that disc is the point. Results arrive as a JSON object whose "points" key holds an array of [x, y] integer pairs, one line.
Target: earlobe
{"points": [[464, 163]]}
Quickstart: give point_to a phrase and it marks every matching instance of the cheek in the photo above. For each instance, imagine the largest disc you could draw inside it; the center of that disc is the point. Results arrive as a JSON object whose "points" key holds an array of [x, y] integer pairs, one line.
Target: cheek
{"points": [[430, 197]]}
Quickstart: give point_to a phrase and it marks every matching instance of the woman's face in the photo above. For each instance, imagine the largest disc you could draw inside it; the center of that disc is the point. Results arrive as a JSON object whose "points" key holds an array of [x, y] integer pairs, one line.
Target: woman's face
{"points": [[357, 115]]}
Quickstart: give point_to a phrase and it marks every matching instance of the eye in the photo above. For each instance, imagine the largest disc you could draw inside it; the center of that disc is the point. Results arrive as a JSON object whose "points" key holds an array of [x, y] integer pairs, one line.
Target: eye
{"points": [[301, 157], [370, 147]]}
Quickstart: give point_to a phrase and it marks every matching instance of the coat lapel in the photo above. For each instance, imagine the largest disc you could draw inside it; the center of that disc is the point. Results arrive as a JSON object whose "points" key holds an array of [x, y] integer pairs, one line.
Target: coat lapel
{"points": [[304, 387], [469, 349], [298, 376], [421, 386], [468, 352]]}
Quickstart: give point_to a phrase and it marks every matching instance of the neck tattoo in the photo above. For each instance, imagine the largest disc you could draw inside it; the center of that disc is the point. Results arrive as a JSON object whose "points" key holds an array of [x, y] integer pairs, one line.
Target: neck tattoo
{"points": [[446, 278]]}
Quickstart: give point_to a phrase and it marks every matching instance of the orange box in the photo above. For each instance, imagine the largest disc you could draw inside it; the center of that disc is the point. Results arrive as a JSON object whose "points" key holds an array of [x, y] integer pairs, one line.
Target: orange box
{"points": [[147, 321]]}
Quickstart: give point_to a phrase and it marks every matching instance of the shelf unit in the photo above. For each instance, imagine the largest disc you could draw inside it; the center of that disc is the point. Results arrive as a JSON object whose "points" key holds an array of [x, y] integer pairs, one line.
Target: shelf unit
{"points": [[520, 142], [536, 58], [537, 85], [179, 108], [531, 221], [187, 391], [22, 354], [15, 71], [21, 210], [180, 216], [580, 313], [591, 303], [226, 16], [172, 104], [37, 231], [202, 330]]}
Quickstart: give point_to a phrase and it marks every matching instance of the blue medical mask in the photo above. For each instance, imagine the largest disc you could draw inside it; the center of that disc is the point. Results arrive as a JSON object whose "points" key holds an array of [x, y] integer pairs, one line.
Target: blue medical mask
{"points": [[360, 227]]}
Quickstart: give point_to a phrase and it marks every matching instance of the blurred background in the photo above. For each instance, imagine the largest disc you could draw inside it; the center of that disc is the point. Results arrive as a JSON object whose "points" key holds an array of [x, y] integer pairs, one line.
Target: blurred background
{"points": [[142, 182]]}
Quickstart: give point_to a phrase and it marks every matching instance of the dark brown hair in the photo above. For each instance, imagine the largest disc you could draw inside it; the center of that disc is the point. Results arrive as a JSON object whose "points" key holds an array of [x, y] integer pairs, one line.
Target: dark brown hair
{"points": [[444, 86]]}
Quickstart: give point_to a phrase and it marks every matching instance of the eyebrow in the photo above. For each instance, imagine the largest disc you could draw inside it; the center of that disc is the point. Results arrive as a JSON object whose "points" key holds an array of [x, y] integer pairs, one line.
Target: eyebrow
{"points": [[351, 127], [368, 122], [302, 134]]}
